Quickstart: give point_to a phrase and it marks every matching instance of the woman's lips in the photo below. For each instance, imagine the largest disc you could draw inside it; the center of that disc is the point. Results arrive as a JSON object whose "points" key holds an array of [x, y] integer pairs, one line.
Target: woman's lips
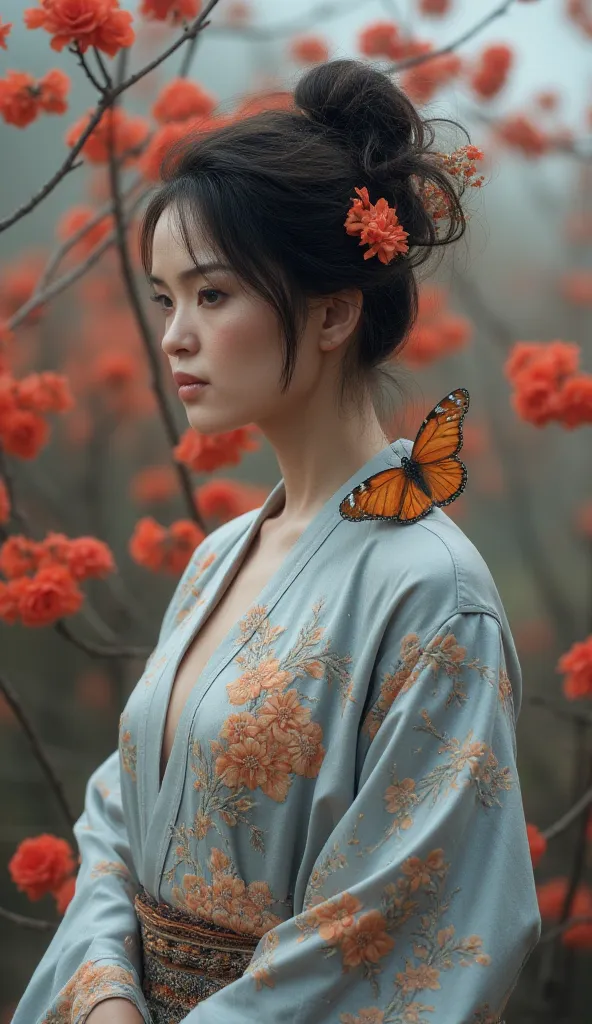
{"points": [[190, 391]]}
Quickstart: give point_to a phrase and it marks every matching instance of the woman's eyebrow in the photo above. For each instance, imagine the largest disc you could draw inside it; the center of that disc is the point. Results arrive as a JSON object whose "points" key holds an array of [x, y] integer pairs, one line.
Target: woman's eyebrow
{"points": [[193, 271]]}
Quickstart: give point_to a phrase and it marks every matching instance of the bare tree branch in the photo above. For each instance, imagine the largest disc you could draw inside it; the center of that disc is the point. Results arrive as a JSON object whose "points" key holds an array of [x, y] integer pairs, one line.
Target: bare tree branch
{"points": [[422, 58], [29, 922], [570, 816], [55, 783]]}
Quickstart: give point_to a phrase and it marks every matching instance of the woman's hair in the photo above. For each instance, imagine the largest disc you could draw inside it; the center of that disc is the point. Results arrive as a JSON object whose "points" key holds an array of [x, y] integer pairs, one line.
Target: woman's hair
{"points": [[271, 193]]}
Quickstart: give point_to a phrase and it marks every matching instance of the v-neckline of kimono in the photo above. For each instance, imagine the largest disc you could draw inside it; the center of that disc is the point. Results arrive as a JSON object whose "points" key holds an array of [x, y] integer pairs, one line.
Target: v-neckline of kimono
{"points": [[157, 793]]}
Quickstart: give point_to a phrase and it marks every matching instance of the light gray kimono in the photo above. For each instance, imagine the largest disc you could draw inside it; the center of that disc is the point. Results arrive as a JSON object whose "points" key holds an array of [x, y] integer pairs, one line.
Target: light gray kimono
{"points": [[342, 785]]}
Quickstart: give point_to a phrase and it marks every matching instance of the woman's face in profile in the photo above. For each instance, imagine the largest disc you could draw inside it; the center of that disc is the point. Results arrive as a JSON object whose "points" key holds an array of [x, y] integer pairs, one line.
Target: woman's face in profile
{"points": [[226, 335]]}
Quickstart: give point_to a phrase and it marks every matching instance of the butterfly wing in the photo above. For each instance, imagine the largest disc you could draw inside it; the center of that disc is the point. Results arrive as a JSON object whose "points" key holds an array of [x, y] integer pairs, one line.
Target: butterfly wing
{"points": [[440, 435], [445, 480], [381, 496]]}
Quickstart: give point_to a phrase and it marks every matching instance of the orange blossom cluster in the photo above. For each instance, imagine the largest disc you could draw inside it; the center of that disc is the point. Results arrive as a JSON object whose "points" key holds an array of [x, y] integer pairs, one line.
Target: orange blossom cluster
{"points": [[23, 98], [437, 332], [164, 549], [547, 386], [43, 576], [491, 71], [23, 405], [177, 10], [551, 896], [204, 453]]}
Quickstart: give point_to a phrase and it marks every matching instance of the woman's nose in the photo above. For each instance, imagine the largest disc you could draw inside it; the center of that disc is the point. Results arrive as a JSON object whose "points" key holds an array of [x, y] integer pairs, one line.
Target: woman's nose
{"points": [[179, 337]]}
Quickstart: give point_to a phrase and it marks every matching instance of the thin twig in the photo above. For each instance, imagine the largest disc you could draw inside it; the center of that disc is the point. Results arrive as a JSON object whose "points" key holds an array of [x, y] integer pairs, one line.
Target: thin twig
{"points": [[105, 73], [559, 712], [62, 250], [106, 101], [29, 922], [62, 627], [87, 71], [262, 33], [37, 747], [565, 926], [43, 296], [569, 817], [422, 58], [146, 333]]}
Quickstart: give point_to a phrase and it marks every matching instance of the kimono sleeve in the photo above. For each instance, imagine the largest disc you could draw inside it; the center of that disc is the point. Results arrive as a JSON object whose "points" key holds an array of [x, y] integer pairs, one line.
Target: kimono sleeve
{"points": [[421, 906], [95, 954]]}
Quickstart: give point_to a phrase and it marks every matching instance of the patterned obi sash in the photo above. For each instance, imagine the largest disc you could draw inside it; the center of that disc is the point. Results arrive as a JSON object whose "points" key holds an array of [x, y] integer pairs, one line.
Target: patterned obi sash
{"points": [[185, 959]]}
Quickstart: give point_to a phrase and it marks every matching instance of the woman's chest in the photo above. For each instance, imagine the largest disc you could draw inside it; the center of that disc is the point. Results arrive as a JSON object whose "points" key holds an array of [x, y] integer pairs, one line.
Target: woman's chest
{"points": [[239, 596]]}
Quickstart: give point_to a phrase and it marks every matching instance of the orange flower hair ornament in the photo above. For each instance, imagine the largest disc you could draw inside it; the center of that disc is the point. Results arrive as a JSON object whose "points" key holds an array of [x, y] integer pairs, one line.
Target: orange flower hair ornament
{"points": [[377, 225]]}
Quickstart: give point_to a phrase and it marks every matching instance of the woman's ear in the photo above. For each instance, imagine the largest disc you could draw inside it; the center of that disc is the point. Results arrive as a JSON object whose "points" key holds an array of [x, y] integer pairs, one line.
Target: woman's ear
{"points": [[341, 314]]}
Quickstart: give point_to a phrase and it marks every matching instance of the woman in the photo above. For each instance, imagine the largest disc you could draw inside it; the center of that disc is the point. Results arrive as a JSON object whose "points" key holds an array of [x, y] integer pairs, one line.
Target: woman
{"points": [[314, 813]]}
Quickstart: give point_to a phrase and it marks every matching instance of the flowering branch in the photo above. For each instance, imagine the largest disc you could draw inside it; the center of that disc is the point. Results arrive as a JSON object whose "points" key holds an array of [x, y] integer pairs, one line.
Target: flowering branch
{"points": [[565, 926], [54, 782], [411, 62], [87, 71], [108, 99], [145, 330]]}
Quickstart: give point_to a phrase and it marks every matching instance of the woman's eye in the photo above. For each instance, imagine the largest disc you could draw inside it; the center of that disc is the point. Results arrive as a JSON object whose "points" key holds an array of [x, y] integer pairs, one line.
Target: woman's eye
{"points": [[160, 299], [210, 291]]}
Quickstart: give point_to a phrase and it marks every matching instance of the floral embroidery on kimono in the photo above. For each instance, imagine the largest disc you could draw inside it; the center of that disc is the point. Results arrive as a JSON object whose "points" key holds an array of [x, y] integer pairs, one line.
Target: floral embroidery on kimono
{"points": [[342, 771]]}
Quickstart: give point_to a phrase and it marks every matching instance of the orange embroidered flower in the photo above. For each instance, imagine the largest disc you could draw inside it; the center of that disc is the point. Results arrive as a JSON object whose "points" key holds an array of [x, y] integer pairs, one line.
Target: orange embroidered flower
{"points": [[304, 749], [204, 453], [265, 676], [98, 23], [366, 941], [419, 872], [4, 33], [177, 10], [74, 220], [164, 549], [377, 225], [282, 713], [4, 503], [40, 865], [334, 918], [577, 663], [399, 797], [181, 100], [256, 765], [225, 499], [537, 844], [237, 727], [308, 50], [417, 978]]}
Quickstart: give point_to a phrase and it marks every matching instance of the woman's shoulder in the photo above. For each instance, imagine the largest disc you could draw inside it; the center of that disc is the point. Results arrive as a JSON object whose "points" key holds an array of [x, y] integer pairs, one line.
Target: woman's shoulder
{"points": [[434, 560]]}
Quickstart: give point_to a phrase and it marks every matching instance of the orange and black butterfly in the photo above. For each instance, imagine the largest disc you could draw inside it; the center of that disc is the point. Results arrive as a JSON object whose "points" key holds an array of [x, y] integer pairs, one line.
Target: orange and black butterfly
{"points": [[433, 476]]}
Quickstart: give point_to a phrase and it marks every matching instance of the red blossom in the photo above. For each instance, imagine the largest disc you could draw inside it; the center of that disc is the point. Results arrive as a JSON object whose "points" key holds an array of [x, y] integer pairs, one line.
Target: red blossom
{"points": [[224, 499], [164, 549], [309, 50], [74, 219], [537, 844], [181, 100], [98, 23], [382, 39], [154, 483], [4, 503], [520, 132], [51, 594], [576, 664], [40, 865], [128, 135], [435, 8], [205, 453], [64, 893], [491, 71], [4, 33], [423, 80], [377, 226], [176, 10]]}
